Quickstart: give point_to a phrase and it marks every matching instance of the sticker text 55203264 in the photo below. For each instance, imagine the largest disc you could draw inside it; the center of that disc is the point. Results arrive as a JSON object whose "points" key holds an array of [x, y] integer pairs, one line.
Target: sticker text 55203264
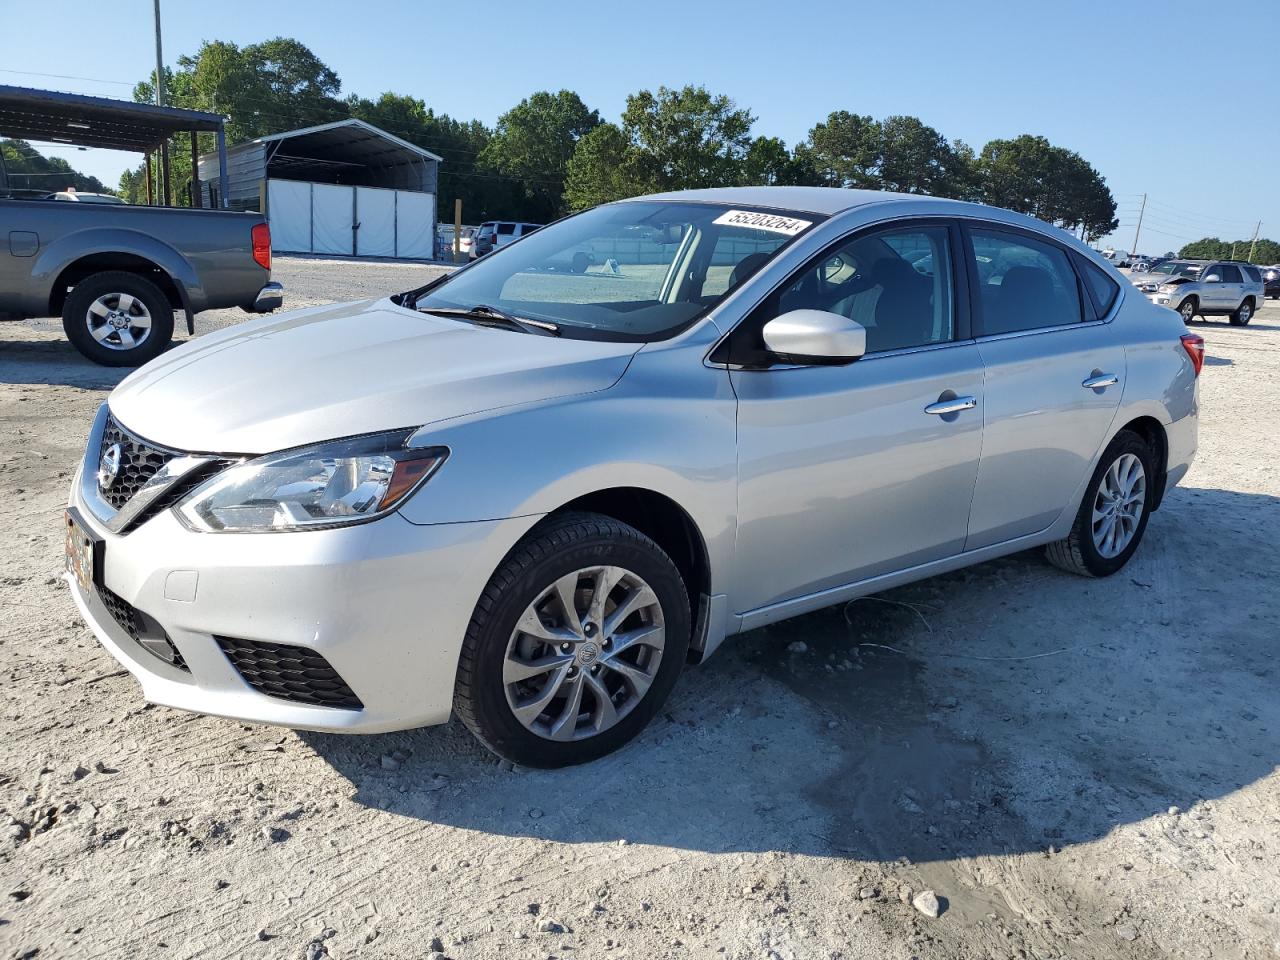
{"points": [[763, 221]]}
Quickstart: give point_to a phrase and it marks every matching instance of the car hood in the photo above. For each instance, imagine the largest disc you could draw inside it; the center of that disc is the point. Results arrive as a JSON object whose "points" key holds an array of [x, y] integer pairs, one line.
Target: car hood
{"points": [[346, 369]]}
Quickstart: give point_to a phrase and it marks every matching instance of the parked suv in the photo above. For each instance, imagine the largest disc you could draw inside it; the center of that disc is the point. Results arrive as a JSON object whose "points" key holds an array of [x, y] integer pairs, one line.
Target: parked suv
{"points": [[1271, 281], [1205, 288], [498, 233], [531, 496]]}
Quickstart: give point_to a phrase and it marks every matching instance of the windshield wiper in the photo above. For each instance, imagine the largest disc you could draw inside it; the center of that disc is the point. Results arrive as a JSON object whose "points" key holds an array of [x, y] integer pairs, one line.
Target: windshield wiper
{"points": [[485, 314]]}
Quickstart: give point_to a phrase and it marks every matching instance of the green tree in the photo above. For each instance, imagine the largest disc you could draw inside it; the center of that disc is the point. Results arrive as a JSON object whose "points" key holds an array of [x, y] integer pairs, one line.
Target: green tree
{"points": [[533, 143], [844, 150], [30, 171], [769, 163], [1030, 175], [1211, 248], [915, 158], [687, 138], [602, 169]]}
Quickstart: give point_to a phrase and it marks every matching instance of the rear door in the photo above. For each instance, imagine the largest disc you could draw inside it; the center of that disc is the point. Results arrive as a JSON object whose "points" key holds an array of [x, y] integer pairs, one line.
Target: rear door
{"points": [[1054, 376], [1231, 290], [504, 234]]}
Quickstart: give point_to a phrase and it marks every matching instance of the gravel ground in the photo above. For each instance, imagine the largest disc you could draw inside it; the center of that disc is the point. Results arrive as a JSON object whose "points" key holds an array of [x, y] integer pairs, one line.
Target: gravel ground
{"points": [[1076, 768]]}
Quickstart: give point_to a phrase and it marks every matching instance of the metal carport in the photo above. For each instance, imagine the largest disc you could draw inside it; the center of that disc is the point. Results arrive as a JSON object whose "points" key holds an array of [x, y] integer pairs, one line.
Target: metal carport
{"points": [[85, 121], [345, 188]]}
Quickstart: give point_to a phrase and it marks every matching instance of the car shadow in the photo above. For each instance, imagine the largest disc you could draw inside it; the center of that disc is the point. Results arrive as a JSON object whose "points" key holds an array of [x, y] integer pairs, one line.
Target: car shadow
{"points": [[999, 709], [56, 362]]}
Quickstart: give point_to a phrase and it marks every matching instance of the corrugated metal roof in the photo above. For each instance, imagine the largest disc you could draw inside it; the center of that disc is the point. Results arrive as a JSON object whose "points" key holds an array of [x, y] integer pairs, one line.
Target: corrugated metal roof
{"points": [[86, 121], [358, 137]]}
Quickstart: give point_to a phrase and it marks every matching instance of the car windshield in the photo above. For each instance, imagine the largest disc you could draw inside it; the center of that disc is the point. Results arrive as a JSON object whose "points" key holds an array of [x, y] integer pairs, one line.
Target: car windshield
{"points": [[638, 270], [1177, 268]]}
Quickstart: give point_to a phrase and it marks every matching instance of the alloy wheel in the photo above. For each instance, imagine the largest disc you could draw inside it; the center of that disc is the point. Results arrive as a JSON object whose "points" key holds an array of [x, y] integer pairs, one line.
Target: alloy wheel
{"points": [[584, 653], [118, 321], [1188, 311], [1245, 313], [1118, 506]]}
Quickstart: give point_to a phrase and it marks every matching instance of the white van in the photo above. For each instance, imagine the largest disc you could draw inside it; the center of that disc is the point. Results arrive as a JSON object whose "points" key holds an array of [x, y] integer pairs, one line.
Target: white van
{"points": [[1120, 258]]}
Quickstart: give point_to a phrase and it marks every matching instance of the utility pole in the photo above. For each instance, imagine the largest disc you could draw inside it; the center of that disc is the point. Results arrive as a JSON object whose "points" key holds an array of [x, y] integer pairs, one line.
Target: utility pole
{"points": [[164, 147], [1254, 242], [1136, 232]]}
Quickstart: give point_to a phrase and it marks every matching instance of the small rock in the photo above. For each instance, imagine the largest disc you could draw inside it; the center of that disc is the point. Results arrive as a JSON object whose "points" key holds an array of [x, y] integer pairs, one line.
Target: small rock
{"points": [[79, 773], [389, 762], [832, 724], [927, 903], [102, 767], [1173, 811], [950, 703], [908, 805], [263, 935], [904, 894], [315, 950], [533, 909], [867, 893], [275, 834], [1127, 932], [797, 646], [535, 814], [220, 884], [623, 842], [547, 925], [436, 945], [436, 955]]}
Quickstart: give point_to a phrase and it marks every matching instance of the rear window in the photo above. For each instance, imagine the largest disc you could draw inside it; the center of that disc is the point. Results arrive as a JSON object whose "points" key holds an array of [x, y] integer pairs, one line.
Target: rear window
{"points": [[1103, 289], [506, 229]]}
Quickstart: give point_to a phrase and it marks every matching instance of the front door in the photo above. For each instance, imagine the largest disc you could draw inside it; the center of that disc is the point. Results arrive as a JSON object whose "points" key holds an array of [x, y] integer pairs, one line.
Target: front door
{"points": [[843, 472], [1053, 384]]}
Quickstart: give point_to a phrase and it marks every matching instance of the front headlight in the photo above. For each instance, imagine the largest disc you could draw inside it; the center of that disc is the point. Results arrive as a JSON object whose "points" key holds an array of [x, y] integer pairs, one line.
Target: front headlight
{"points": [[327, 485], [1168, 287]]}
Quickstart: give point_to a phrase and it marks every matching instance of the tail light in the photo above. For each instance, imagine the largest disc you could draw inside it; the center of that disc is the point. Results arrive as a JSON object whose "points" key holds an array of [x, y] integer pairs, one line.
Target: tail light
{"points": [[261, 236], [1193, 343]]}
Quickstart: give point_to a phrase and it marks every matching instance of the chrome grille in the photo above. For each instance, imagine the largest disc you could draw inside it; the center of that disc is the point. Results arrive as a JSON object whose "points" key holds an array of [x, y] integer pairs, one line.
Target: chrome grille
{"points": [[139, 462]]}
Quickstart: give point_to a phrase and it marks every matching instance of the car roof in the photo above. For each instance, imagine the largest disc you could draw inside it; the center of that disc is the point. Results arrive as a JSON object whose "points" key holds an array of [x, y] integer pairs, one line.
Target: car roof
{"points": [[823, 200]]}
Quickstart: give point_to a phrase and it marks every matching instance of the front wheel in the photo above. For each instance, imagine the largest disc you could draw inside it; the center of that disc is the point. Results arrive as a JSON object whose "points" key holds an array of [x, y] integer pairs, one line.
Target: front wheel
{"points": [[575, 643], [1243, 314], [1188, 309], [118, 319], [1113, 515]]}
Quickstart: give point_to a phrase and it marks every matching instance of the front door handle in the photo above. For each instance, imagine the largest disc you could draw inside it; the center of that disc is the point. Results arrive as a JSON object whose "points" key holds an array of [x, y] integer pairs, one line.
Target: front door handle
{"points": [[954, 405], [1100, 380]]}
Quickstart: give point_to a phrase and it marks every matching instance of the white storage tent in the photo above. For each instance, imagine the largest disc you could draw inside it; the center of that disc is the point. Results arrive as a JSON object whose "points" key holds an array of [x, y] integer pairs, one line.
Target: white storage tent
{"points": [[344, 188]]}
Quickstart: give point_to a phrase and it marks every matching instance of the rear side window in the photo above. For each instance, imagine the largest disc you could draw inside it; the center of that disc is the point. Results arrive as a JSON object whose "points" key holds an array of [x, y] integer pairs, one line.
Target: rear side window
{"points": [[1229, 273], [506, 229], [1103, 289], [1253, 273], [1023, 284]]}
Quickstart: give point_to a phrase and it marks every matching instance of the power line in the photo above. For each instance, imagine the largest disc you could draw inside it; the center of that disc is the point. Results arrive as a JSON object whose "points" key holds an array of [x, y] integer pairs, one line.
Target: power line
{"points": [[64, 76]]}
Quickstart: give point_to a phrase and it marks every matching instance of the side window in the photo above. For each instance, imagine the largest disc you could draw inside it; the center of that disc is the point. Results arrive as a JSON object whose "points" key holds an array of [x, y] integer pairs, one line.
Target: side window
{"points": [[1253, 274], [1104, 289], [896, 283], [506, 229], [527, 228], [1229, 273], [1023, 284]]}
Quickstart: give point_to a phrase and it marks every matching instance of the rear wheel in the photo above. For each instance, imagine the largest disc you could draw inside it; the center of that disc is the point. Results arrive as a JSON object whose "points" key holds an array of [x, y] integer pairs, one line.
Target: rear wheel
{"points": [[118, 319], [574, 645], [1243, 314], [1188, 309], [1113, 515]]}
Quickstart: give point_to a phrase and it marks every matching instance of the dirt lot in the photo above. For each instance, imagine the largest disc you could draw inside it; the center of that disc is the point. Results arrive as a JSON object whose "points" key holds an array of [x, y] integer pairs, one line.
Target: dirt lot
{"points": [[1082, 769]]}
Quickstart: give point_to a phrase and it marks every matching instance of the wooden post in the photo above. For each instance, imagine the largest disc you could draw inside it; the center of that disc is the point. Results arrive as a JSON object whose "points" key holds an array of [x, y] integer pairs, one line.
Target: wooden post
{"points": [[196, 199], [164, 173], [146, 169], [457, 230]]}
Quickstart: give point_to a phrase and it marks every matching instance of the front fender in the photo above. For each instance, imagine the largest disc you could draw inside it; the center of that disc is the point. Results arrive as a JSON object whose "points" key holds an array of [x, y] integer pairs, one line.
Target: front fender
{"points": [[69, 248], [666, 426]]}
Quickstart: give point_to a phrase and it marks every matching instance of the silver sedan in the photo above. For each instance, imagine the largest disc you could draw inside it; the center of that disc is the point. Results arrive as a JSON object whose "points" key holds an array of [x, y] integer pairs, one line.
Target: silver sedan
{"points": [[531, 494]]}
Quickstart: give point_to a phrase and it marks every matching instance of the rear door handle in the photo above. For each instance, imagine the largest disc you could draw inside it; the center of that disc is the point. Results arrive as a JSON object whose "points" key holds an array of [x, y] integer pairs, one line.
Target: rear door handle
{"points": [[955, 405], [1100, 380]]}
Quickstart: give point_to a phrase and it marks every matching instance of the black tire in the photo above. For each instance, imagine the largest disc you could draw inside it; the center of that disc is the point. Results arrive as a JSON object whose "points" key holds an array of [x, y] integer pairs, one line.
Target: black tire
{"points": [[1078, 553], [568, 543], [580, 262], [1243, 313], [1188, 308], [75, 315]]}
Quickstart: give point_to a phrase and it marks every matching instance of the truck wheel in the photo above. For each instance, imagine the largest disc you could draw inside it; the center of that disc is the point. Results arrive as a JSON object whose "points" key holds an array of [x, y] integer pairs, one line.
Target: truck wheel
{"points": [[118, 319], [1188, 309], [1243, 314]]}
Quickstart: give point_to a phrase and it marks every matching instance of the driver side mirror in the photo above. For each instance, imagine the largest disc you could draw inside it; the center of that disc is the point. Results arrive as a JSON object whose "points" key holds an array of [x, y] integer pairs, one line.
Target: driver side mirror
{"points": [[1213, 278], [815, 337]]}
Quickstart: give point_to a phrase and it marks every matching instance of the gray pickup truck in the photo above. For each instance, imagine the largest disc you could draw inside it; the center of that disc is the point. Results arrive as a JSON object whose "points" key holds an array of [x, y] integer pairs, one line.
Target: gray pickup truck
{"points": [[117, 273]]}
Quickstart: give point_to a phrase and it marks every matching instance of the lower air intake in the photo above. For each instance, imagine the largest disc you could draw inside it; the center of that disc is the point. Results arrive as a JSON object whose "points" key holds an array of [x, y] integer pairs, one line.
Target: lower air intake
{"points": [[285, 672]]}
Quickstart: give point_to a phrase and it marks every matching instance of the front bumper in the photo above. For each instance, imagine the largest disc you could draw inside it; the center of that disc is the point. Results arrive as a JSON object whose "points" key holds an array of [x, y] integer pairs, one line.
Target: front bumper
{"points": [[386, 603]]}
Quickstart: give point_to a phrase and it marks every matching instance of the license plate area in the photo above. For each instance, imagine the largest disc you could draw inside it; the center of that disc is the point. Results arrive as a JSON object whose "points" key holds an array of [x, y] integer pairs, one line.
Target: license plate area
{"points": [[84, 552]]}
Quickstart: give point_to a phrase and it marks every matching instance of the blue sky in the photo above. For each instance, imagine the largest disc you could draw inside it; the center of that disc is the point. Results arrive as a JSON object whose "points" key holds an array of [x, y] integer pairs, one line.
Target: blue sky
{"points": [[1165, 98]]}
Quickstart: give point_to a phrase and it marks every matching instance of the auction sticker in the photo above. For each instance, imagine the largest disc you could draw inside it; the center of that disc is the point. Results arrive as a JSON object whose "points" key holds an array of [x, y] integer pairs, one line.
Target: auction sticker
{"points": [[763, 221]]}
